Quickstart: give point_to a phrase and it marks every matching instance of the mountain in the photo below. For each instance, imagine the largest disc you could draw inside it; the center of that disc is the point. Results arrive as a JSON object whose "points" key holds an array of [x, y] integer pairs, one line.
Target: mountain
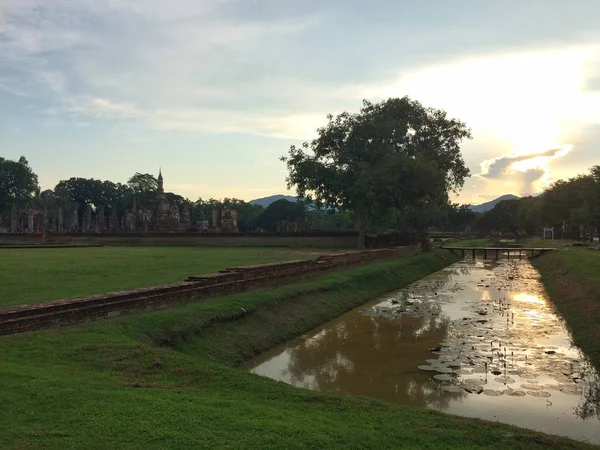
{"points": [[266, 201], [489, 205]]}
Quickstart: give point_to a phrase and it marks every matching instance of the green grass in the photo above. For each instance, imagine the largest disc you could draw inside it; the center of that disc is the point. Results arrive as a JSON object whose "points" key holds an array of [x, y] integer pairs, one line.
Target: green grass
{"points": [[572, 279], [548, 243], [472, 243], [39, 275], [168, 379]]}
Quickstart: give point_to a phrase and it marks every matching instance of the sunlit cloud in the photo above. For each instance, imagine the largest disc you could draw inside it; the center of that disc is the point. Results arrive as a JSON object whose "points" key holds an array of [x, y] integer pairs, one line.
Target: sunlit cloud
{"points": [[530, 171], [497, 167]]}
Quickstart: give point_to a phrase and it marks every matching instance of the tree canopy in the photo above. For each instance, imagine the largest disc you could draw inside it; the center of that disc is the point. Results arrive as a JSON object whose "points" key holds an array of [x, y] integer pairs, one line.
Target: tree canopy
{"points": [[282, 211], [18, 183], [390, 155]]}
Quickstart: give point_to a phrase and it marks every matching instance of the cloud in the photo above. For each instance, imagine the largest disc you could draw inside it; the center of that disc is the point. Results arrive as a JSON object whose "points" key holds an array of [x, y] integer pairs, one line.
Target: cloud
{"points": [[222, 63], [525, 173], [500, 166], [268, 123], [274, 68], [178, 66], [593, 84]]}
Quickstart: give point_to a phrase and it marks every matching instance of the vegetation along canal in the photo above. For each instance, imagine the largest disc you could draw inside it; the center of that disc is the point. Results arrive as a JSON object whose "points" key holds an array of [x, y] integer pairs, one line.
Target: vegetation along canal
{"points": [[479, 339]]}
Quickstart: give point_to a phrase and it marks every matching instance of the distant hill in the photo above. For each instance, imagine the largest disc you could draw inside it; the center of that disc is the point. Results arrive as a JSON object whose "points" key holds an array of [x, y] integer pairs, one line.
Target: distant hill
{"points": [[489, 205], [266, 201]]}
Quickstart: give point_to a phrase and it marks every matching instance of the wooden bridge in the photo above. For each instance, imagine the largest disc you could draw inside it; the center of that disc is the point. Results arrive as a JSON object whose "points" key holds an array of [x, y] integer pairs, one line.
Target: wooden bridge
{"points": [[499, 251]]}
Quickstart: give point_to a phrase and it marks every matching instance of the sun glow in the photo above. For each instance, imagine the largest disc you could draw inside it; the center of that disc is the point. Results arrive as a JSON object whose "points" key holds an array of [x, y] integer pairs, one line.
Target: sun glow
{"points": [[528, 298]]}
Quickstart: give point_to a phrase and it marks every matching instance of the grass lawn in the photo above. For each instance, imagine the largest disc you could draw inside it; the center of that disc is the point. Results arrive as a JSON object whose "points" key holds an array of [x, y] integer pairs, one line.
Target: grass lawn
{"points": [[548, 243], [168, 379], [38, 275], [472, 243]]}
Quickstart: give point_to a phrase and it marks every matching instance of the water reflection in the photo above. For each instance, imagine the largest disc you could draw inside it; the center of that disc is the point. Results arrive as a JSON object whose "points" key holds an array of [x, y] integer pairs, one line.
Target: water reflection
{"points": [[478, 339]]}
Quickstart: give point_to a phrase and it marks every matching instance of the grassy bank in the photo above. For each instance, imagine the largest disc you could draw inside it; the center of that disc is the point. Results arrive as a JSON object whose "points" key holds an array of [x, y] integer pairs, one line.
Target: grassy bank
{"points": [[167, 379], [38, 275], [572, 278], [482, 242]]}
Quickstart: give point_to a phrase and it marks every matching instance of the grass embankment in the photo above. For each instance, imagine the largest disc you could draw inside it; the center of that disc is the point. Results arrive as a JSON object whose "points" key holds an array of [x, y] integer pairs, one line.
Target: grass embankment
{"points": [[39, 275], [483, 242], [572, 278], [538, 242], [167, 379]]}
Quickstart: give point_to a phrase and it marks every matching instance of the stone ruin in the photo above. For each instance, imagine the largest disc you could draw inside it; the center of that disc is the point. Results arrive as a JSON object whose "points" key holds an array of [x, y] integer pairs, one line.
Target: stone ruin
{"points": [[224, 221], [158, 216]]}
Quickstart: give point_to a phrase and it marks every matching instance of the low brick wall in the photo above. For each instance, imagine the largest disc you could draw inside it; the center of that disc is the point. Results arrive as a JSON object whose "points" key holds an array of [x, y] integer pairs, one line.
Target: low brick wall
{"points": [[317, 240], [229, 281]]}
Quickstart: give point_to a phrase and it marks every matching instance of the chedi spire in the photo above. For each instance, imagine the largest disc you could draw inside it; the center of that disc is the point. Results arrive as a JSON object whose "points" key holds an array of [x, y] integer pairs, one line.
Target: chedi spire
{"points": [[160, 181]]}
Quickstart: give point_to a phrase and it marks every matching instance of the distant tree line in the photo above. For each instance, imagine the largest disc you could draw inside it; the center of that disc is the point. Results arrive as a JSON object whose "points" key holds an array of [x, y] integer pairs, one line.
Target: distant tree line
{"points": [[571, 207], [19, 189]]}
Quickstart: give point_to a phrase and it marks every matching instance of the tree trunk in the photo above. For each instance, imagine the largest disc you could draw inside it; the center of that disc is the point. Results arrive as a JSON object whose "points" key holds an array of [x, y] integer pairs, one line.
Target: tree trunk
{"points": [[360, 224]]}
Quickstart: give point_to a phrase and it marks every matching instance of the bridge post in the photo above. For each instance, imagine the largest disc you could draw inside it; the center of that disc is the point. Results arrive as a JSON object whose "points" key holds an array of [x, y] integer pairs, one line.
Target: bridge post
{"points": [[473, 254]]}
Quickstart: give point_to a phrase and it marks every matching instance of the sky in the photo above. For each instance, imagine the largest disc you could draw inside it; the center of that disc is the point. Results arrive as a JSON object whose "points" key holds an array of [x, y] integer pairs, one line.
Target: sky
{"points": [[215, 91]]}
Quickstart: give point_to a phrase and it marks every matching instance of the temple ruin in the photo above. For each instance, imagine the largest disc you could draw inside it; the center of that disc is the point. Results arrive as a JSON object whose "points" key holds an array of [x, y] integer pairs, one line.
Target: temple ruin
{"points": [[156, 216]]}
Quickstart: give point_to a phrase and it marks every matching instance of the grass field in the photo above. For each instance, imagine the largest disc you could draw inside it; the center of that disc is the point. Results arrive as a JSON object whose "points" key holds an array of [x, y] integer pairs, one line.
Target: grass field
{"points": [[168, 379], [483, 242], [572, 279], [38, 275]]}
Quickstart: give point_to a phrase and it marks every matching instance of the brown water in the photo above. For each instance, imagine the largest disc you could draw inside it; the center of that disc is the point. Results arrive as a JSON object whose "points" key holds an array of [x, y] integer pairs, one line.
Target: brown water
{"points": [[477, 339]]}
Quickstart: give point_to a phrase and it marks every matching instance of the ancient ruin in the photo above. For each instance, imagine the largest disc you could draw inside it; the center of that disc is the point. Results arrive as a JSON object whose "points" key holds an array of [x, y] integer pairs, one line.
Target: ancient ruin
{"points": [[156, 216]]}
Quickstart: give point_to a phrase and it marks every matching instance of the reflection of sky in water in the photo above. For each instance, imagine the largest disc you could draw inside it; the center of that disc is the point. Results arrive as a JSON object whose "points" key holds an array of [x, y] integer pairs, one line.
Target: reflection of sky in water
{"points": [[492, 313]]}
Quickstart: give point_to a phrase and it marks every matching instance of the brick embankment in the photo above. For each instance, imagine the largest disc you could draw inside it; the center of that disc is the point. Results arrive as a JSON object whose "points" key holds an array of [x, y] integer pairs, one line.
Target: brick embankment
{"points": [[229, 281]]}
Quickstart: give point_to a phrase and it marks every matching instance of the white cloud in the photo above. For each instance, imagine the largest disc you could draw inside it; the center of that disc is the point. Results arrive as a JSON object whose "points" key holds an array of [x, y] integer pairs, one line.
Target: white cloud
{"points": [[268, 123], [173, 66], [528, 97]]}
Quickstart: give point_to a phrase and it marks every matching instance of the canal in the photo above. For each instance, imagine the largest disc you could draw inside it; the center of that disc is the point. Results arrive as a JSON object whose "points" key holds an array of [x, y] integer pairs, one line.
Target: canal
{"points": [[479, 339]]}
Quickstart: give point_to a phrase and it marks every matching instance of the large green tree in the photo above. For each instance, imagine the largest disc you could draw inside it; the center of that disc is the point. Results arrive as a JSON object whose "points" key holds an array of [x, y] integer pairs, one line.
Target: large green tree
{"points": [[18, 183], [144, 187], [389, 155]]}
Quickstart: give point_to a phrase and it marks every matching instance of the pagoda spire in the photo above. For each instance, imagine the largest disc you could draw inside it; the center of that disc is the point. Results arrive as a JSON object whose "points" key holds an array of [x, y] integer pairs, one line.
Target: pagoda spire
{"points": [[160, 181]]}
